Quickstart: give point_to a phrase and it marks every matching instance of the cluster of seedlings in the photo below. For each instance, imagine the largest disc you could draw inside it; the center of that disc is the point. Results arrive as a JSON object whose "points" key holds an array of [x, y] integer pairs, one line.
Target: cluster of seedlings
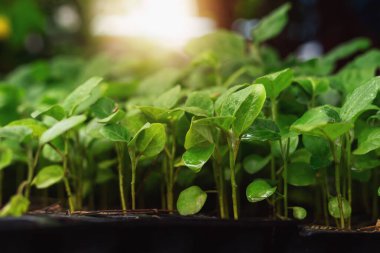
{"points": [[236, 122]]}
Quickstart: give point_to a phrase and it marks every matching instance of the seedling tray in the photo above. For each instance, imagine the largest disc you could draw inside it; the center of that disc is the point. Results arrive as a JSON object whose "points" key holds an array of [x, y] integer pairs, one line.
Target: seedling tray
{"points": [[150, 232]]}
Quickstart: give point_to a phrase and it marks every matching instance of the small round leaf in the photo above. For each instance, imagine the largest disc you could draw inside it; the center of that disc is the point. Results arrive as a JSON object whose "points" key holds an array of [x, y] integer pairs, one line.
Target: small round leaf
{"points": [[299, 213], [191, 200], [259, 190], [334, 208], [48, 176]]}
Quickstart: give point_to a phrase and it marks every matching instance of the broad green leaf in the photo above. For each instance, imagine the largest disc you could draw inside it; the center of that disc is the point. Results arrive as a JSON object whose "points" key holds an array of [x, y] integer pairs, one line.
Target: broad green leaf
{"points": [[223, 123], [245, 105], [362, 176], [359, 99], [198, 134], [48, 176], [334, 208], [371, 142], [271, 25], [133, 121], [113, 118], [316, 145], [299, 213], [259, 190], [366, 162], [300, 174], [222, 98], [159, 82], [191, 200], [276, 82], [313, 85], [202, 101], [6, 156], [195, 157], [168, 99], [160, 115], [17, 206], [151, 140], [86, 94], [347, 49], [37, 127], [61, 127], [51, 154], [116, 133], [262, 130], [16, 133], [104, 107], [254, 163], [55, 111]]}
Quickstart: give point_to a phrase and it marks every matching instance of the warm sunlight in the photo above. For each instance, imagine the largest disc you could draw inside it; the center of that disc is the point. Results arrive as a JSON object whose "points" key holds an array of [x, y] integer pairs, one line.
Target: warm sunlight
{"points": [[171, 22]]}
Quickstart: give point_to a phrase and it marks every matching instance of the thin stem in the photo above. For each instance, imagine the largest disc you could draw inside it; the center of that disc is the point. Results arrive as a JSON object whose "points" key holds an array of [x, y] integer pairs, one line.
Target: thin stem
{"points": [[134, 162], [65, 177], [31, 167], [326, 196], [285, 175], [337, 183], [349, 175], [120, 168], [233, 150], [219, 180], [1, 187]]}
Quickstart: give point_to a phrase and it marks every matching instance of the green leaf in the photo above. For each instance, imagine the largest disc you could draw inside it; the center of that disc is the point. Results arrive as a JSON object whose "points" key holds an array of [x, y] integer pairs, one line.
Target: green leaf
{"points": [[151, 140], [359, 99], [195, 157], [262, 130], [271, 25], [161, 115], [104, 107], [198, 134], [168, 99], [37, 127], [55, 111], [245, 105], [17, 206], [191, 200], [115, 132], [347, 49], [83, 96], [378, 191], [254, 163], [202, 101], [276, 82], [6, 156], [48, 176], [61, 127], [313, 85], [316, 145], [276, 146], [16, 133], [259, 190], [334, 208], [299, 213], [371, 142], [113, 118], [223, 123], [300, 174]]}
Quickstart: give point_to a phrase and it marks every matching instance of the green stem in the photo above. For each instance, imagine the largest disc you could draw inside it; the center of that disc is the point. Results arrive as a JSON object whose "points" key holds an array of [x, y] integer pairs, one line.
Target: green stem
{"points": [[219, 180], [285, 175], [120, 168], [233, 150], [349, 175], [326, 196], [1, 187], [134, 162], [65, 177], [31, 167], [337, 183]]}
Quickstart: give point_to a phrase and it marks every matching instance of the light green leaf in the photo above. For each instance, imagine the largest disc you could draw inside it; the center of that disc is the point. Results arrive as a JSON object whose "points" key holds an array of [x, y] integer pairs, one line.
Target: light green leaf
{"points": [[276, 82], [16, 133], [195, 157], [83, 96], [300, 174], [104, 107], [254, 163], [55, 111], [113, 118], [371, 142], [262, 130], [198, 134], [48, 176], [61, 127], [271, 25], [334, 208], [17, 206], [347, 49], [191, 200], [299, 213], [202, 101], [359, 99], [151, 140], [168, 99], [6, 156], [115, 132], [259, 190], [37, 127]]}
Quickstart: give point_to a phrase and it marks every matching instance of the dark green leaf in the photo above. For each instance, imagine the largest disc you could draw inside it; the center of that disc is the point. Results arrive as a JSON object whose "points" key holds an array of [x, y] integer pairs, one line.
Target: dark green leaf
{"points": [[17, 206], [300, 174], [115, 132], [254, 163], [262, 130]]}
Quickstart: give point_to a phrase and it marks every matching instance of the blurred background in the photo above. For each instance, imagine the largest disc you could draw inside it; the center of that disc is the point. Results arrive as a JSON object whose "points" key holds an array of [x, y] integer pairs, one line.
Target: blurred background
{"points": [[40, 29]]}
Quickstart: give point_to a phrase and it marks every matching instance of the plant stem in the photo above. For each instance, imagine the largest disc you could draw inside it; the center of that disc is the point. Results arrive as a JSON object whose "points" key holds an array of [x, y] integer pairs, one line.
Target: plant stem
{"points": [[219, 180], [65, 177], [31, 167], [1, 187], [120, 168], [134, 162], [337, 183], [349, 175], [233, 144], [274, 110], [285, 176], [326, 196]]}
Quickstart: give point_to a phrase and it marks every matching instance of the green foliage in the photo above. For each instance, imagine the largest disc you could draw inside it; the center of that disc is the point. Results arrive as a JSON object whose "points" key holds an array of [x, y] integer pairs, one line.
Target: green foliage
{"points": [[259, 190], [299, 213], [17, 206], [191, 200], [334, 208], [48, 176]]}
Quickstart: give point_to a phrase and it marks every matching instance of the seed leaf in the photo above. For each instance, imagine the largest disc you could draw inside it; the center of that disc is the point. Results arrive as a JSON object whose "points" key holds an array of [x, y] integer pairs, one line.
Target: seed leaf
{"points": [[299, 213], [191, 200], [151, 140], [276, 82], [334, 208], [48, 176], [115, 132], [259, 190], [300, 174], [17, 206]]}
